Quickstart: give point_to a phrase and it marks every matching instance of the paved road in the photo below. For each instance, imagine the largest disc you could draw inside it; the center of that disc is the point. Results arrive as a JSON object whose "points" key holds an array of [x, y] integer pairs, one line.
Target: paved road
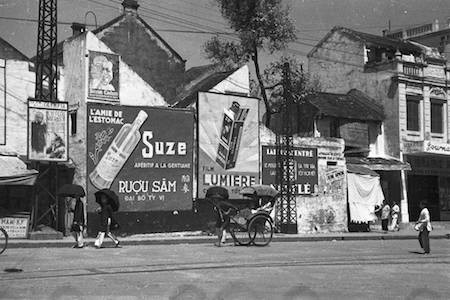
{"points": [[315, 270]]}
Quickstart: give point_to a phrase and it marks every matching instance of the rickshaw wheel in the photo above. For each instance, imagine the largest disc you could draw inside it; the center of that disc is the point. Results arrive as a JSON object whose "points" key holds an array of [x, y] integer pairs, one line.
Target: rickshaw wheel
{"points": [[260, 230], [240, 235]]}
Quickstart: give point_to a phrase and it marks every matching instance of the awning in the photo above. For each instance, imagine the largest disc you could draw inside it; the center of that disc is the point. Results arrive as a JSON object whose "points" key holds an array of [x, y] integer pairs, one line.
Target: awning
{"points": [[357, 169], [13, 171], [378, 163]]}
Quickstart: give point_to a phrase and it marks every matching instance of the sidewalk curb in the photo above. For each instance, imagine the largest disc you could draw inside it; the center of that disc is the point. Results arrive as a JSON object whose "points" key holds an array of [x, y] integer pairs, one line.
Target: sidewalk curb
{"points": [[210, 239]]}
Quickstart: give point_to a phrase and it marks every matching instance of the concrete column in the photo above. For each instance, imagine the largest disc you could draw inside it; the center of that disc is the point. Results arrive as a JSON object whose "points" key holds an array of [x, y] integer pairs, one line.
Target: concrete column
{"points": [[404, 194]]}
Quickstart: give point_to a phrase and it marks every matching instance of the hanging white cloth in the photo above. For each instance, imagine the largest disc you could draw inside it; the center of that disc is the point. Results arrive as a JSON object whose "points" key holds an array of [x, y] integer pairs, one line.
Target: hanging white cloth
{"points": [[364, 192]]}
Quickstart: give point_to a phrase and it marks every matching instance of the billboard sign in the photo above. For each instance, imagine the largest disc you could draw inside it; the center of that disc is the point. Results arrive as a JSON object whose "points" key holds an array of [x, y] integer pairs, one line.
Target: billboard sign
{"points": [[47, 131], [103, 76], [228, 142], [305, 165], [143, 154]]}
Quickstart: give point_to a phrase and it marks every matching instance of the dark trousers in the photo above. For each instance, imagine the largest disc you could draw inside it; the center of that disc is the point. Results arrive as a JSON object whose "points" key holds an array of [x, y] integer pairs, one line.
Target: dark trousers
{"points": [[384, 224], [424, 240]]}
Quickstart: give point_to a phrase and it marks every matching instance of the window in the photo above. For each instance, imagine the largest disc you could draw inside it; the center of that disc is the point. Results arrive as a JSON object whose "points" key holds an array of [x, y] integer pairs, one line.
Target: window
{"points": [[73, 122], [437, 117], [412, 114]]}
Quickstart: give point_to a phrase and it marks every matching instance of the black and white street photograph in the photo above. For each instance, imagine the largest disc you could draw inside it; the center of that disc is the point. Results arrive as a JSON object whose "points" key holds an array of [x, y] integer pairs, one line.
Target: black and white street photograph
{"points": [[225, 149]]}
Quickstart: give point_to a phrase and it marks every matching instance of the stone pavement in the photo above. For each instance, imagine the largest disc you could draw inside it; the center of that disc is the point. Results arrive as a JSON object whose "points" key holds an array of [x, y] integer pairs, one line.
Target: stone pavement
{"points": [[198, 237]]}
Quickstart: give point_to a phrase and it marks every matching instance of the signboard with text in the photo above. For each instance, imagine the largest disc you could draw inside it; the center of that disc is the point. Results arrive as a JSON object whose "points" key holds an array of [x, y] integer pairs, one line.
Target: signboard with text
{"points": [[228, 142], [305, 159], [143, 154], [16, 227], [47, 130]]}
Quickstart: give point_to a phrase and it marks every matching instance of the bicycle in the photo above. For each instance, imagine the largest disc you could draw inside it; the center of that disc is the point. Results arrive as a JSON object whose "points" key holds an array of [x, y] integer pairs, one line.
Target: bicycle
{"points": [[3, 240]]}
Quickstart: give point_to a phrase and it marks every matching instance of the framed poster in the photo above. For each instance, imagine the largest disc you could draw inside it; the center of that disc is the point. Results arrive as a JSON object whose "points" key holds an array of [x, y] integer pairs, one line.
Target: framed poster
{"points": [[48, 138], [228, 140], [103, 82], [131, 151]]}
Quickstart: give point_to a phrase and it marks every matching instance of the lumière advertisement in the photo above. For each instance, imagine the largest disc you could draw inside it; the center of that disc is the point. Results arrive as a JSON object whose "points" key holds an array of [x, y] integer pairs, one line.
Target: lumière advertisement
{"points": [[228, 142]]}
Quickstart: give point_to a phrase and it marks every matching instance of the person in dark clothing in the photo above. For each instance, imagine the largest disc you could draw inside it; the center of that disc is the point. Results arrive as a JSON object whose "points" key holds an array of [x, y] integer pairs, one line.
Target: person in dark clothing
{"points": [[224, 209], [107, 223], [38, 133], [79, 223]]}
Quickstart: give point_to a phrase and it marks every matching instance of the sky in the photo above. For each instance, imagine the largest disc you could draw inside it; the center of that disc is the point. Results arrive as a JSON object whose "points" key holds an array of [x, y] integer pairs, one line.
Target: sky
{"points": [[187, 24]]}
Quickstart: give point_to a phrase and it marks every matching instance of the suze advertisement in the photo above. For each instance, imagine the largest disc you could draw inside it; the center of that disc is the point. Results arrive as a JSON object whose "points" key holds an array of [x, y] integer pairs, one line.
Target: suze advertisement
{"points": [[228, 142], [305, 166], [142, 154]]}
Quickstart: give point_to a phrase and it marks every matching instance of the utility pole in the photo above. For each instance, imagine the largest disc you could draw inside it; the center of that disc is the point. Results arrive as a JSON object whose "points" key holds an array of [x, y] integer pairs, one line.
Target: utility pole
{"points": [[285, 175], [47, 55], [46, 89]]}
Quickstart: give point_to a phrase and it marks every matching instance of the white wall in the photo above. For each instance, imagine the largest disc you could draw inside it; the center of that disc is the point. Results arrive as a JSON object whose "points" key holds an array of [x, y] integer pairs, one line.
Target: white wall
{"points": [[238, 82], [134, 91], [19, 83]]}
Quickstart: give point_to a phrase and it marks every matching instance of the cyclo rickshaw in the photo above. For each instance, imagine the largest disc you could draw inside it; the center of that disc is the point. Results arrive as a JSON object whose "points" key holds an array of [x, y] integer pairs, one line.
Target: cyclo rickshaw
{"points": [[250, 219]]}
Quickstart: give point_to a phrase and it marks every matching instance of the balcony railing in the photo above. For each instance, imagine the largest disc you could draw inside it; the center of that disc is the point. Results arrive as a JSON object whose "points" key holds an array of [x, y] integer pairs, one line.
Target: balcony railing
{"points": [[411, 70]]}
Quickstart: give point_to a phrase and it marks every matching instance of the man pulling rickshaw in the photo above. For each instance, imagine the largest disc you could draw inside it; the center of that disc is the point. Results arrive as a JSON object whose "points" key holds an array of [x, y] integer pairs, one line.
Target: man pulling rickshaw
{"points": [[251, 221]]}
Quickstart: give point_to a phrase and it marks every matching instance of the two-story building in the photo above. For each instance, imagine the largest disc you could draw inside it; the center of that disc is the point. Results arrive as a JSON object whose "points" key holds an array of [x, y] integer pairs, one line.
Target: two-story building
{"points": [[410, 81]]}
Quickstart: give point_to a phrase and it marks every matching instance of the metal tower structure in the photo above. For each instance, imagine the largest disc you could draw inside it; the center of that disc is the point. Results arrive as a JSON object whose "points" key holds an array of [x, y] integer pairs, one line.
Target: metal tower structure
{"points": [[46, 57], [46, 87], [285, 175]]}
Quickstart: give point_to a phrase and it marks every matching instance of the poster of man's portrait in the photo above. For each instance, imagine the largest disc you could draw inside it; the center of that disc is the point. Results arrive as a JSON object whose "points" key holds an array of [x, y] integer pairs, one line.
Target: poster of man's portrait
{"points": [[103, 76], [47, 131]]}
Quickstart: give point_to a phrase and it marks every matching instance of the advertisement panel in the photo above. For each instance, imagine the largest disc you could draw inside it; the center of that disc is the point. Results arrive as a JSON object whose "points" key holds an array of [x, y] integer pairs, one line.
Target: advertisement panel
{"points": [[143, 154], [47, 131], [306, 178], [103, 76], [228, 142]]}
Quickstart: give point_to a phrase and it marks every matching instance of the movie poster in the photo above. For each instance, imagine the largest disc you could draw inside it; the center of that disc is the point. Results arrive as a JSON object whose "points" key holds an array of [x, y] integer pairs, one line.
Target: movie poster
{"points": [[103, 76], [228, 142], [47, 131], [132, 152]]}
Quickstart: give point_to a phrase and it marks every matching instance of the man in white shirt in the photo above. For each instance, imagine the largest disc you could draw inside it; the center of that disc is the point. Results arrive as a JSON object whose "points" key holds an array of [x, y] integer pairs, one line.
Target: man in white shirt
{"points": [[394, 214], [424, 226]]}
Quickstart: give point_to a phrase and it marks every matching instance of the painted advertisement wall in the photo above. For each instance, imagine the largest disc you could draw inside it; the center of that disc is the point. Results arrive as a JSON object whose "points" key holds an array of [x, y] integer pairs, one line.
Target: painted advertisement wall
{"points": [[131, 151], [228, 140], [324, 210], [305, 168]]}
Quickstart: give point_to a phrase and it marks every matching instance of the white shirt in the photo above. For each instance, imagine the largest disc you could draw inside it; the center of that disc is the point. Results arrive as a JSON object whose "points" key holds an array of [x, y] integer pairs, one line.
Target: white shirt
{"points": [[395, 209], [425, 220], [385, 212]]}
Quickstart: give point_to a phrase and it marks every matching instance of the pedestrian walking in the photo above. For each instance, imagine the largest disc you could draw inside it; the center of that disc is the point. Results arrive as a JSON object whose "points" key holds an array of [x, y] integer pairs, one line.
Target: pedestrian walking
{"points": [[423, 225], [385, 212], [79, 223], [107, 222], [394, 214]]}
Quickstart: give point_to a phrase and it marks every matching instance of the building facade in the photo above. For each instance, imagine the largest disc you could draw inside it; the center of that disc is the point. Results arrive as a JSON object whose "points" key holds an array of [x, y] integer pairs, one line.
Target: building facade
{"points": [[410, 81]]}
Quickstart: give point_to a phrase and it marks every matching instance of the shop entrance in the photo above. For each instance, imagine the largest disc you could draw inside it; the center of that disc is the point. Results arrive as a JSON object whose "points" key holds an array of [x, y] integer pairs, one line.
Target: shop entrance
{"points": [[420, 188]]}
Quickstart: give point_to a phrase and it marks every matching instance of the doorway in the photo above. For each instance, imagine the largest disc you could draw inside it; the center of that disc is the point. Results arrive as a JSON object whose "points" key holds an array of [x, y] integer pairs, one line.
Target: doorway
{"points": [[420, 188]]}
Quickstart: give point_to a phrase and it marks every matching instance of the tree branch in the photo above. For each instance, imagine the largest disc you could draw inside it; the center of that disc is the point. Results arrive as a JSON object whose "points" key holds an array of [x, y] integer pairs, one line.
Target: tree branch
{"points": [[261, 86]]}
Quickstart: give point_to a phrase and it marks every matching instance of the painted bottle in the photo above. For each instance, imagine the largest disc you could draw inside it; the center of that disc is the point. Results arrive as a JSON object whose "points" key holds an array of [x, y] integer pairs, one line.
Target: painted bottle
{"points": [[118, 153]]}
